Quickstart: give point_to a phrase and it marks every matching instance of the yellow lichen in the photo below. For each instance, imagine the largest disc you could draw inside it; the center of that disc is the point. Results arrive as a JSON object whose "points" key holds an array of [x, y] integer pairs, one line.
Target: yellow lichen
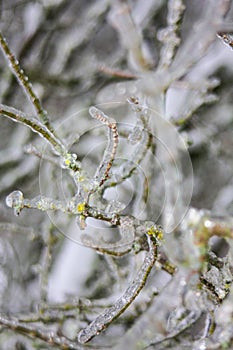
{"points": [[154, 231], [81, 207], [67, 162]]}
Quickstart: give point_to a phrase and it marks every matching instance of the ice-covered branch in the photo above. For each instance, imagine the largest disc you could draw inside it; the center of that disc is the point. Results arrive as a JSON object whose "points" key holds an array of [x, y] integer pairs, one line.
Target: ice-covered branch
{"points": [[109, 315], [35, 331], [24, 81], [170, 36], [35, 126], [131, 37], [102, 174], [227, 38]]}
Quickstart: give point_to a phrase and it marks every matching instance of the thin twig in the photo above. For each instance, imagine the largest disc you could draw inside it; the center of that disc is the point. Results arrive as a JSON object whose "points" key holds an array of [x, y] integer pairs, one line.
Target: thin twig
{"points": [[35, 126], [50, 241], [33, 331], [170, 36], [143, 145], [33, 150], [102, 173], [227, 38], [117, 73], [109, 315], [24, 81], [173, 336], [123, 245]]}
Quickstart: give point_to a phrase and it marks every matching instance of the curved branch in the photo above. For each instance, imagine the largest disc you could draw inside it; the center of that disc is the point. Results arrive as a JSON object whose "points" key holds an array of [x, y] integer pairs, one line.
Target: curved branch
{"points": [[109, 315]]}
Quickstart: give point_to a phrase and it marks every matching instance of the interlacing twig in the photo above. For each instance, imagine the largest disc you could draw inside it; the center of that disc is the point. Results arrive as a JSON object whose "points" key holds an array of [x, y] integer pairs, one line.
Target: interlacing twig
{"points": [[33, 331]]}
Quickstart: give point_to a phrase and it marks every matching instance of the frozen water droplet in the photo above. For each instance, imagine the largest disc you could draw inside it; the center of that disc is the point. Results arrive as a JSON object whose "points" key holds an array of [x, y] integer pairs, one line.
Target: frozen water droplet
{"points": [[70, 161], [15, 200]]}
